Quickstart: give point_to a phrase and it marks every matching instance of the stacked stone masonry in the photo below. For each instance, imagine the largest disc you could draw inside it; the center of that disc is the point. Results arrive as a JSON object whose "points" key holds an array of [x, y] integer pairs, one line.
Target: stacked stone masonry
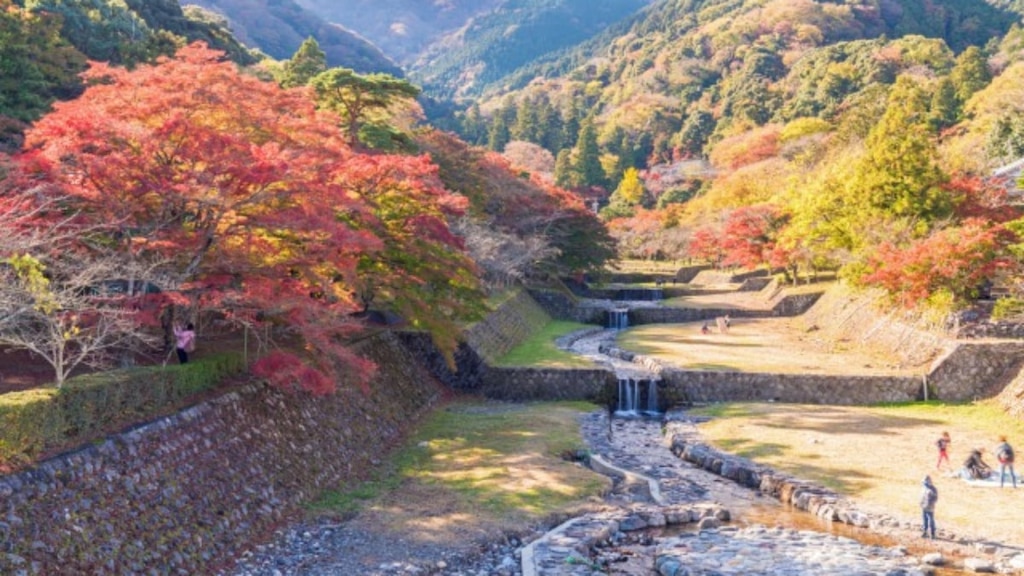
{"points": [[507, 327], [178, 494]]}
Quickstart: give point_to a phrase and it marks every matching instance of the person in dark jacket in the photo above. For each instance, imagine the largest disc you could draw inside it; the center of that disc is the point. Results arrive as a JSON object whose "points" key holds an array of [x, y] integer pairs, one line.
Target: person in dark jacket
{"points": [[975, 468], [1004, 452], [929, 495]]}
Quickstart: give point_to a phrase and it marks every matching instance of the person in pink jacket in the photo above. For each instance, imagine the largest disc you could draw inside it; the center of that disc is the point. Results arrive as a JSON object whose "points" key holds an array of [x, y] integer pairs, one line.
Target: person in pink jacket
{"points": [[185, 341]]}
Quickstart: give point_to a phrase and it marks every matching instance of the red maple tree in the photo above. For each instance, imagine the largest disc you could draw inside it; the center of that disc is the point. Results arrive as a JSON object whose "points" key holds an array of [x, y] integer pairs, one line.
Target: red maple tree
{"points": [[244, 196]]}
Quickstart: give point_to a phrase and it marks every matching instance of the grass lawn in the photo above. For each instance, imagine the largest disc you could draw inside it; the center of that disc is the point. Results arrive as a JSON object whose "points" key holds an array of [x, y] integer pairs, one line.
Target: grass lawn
{"points": [[540, 349], [774, 345], [485, 466], [879, 455], [647, 266]]}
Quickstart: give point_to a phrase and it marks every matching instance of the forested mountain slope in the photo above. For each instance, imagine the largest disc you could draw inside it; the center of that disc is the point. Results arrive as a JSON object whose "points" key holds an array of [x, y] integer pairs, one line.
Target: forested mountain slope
{"points": [[512, 35], [857, 136], [132, 30], [278, 27], [402, 28]]}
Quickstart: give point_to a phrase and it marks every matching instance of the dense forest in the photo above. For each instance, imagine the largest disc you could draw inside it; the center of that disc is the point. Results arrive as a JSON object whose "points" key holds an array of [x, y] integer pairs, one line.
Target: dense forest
{"points": [[143, 142], [151, 174], [278, 27], [858, 136]]}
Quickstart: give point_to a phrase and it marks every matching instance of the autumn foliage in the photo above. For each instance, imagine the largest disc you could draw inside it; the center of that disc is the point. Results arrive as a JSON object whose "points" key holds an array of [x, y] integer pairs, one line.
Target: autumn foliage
{"points": [[955, 260], [248, 201]]}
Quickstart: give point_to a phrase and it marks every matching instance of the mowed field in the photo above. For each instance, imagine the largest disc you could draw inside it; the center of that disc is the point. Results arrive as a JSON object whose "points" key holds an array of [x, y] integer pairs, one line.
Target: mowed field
{"points": [[878, 456], [778, 345]]}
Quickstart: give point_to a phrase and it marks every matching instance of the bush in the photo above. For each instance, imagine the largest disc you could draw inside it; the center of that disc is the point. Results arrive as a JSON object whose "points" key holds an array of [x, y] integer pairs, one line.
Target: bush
{"points": [[34, 421], [1006, 308]]}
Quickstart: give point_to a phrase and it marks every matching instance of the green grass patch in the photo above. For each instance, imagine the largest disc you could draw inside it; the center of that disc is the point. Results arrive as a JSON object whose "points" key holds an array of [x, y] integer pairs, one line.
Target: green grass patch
{"points": [[540, 350], [494, 462]]}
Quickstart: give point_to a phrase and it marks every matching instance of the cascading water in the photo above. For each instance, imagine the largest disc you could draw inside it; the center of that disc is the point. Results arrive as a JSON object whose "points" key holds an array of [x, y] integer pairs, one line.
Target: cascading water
{"points": [[636, 400], [618, 319], [629, 393]]}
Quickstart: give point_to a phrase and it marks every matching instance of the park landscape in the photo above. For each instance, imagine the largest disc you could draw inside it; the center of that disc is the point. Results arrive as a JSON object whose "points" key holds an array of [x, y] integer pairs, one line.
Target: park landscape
{"points": [[365, 228]]}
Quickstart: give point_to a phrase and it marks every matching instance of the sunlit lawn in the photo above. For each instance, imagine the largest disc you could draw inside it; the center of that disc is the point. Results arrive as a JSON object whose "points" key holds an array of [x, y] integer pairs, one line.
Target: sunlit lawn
{"points": [[481, 466], [880, 454], [774, 345], [540, 349]]}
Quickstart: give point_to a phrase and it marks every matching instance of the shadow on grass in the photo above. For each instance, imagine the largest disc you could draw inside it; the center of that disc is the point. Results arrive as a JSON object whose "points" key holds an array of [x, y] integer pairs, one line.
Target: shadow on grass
{"points": [[842, 480], [751, 449], [712, 367], [851, 423]]}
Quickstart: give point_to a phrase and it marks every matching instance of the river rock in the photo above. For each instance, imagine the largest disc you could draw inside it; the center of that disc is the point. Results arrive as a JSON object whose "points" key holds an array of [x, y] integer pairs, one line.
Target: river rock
{"points": [[979, 565]]}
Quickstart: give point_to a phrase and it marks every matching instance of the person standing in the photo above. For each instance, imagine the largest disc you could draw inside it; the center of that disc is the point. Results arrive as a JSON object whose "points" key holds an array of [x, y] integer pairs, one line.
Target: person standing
{"points": [[185, 341], [1004, 452], [943, 445], [929, 496]]}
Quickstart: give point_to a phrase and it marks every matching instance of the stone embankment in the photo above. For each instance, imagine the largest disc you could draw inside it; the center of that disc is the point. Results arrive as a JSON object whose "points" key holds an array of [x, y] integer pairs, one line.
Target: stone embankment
{"points": [[777, 552], [704, 540], [829, 506], [176, 495]]}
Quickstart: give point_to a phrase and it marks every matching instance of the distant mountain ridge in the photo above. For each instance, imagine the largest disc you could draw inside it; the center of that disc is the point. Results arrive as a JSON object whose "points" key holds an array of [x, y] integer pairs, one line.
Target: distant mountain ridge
{"points": [[403, 29], [278, 27], [492, 45]]}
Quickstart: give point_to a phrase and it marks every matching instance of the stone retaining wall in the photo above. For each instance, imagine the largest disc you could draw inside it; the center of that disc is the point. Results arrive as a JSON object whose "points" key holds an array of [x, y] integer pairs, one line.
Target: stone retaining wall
{"points": [[563, 306], [789, 305], [179, 494], [967, 372], [802, 495], [973, 370], [820, 501], [525, 384], [705, 387], [686, 274], [1012, 397], [993, 329], [507, 327]]}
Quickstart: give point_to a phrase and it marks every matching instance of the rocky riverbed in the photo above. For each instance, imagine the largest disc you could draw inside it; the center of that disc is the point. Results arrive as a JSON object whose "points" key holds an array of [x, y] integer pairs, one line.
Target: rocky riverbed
{"points": [[752, 543]]}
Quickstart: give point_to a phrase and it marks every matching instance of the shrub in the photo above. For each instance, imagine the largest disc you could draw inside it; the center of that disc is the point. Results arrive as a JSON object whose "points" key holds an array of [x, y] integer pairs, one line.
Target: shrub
{"points": [[34, 421]]}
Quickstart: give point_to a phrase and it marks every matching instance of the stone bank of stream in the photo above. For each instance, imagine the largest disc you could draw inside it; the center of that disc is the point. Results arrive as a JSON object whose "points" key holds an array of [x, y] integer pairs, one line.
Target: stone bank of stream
{"points": [[630, 537]]}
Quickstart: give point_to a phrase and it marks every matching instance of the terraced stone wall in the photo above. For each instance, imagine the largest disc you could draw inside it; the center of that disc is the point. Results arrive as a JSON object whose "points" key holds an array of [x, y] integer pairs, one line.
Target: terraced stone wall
{"points": [[180, 494], [530, 384], [789, 305], [562, 306], [507, 327], [703, 387], [975, 370]]}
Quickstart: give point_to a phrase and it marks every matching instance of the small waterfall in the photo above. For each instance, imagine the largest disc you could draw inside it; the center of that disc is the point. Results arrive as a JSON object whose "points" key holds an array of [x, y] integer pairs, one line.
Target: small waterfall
{"points": [[618, 319], [635, 399], [629, 395], [652, 397]]}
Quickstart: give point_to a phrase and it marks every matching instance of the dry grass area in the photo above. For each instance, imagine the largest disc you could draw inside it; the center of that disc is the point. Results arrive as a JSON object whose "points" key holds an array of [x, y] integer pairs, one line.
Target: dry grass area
{"points": [[476, 470], [879, 455], [776, 345]]}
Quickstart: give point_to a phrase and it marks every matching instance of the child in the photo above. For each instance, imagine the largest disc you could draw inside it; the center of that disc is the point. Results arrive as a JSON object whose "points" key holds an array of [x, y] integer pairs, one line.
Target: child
{"points": [[705, 328], [943, 445]]}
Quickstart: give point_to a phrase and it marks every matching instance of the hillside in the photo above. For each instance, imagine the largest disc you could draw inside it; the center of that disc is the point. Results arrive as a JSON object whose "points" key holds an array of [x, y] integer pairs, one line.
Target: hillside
{"points": [[278, 27], [854, 137], [495, 43], [402, 28]]}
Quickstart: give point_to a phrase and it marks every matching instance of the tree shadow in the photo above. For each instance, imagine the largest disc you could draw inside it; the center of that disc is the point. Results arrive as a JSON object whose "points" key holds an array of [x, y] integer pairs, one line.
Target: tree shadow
{"points": [[840, 423]]}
